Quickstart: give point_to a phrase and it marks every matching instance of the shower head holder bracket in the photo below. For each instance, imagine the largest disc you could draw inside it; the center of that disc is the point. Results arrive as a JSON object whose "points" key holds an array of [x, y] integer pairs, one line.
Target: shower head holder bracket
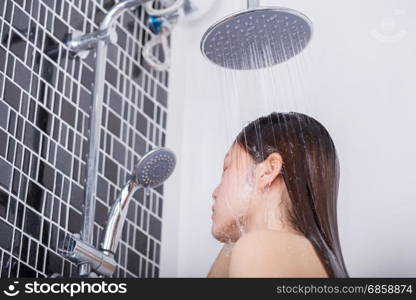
{"points": [[82, 44]]}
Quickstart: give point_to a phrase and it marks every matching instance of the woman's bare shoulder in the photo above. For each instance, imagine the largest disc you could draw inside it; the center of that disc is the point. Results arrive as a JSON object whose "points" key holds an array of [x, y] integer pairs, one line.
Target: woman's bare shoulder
{"points": [[271, 253]]}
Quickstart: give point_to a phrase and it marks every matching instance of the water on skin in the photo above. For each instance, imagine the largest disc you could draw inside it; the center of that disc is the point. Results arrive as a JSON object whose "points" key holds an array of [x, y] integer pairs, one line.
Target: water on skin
{"points": [[229, 248], [244, 192]]}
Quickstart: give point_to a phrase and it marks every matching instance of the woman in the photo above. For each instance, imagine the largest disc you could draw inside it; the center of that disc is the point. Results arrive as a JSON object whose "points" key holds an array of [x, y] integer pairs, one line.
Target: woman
{"points": [[275, 207]]}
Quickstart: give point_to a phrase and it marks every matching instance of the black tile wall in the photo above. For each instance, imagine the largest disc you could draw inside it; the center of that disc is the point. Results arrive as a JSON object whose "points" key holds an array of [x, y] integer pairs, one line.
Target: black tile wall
{"points": [[45, 98]]}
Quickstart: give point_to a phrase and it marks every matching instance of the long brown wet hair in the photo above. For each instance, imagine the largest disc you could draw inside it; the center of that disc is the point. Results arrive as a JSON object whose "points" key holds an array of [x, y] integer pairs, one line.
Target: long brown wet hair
{"points": [[311, 174]]}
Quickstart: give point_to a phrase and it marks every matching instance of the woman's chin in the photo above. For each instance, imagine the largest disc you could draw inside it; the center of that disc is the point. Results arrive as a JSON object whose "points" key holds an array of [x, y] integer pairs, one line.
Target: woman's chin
{"points": [[216, 232], [219, 233], [213, 229]]}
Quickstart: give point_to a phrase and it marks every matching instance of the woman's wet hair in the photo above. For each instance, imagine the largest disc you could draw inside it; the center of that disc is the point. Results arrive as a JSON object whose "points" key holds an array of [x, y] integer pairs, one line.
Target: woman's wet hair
{"points": [[311, 173]]}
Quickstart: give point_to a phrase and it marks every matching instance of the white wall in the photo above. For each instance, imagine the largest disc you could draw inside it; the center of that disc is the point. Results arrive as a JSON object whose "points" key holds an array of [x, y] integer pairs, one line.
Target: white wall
{"points": [[357, 77]]}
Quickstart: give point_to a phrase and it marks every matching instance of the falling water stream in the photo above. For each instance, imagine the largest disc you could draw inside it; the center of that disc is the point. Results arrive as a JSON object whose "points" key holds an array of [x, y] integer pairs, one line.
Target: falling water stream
{"points": [[249, 94]]}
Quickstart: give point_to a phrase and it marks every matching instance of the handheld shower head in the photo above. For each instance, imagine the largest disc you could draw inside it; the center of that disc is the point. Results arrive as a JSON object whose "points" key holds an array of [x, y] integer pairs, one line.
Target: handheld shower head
{"points": [[257, 38], [154, 168], [151, 171]]}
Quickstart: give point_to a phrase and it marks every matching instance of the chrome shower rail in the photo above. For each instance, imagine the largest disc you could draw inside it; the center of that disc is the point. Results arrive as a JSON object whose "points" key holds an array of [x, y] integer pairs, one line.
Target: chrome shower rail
{"points": [[253, 3], [98, 40]]}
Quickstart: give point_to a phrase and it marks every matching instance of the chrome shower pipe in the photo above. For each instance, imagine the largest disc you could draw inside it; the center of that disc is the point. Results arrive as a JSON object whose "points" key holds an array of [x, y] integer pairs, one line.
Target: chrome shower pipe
{"points": [[253, 3], [99, 40]]}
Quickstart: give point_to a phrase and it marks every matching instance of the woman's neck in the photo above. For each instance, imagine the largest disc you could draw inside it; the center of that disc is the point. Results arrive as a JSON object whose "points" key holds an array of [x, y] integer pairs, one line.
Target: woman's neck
{"points": [[267, 212]]}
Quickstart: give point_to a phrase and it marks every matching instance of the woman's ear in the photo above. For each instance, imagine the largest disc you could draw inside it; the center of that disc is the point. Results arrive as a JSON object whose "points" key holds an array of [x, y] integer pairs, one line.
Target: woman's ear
{"points": [[268, 170]]}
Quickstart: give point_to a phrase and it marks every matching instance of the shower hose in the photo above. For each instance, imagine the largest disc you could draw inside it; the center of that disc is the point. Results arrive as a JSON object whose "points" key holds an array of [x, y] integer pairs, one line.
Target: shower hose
{"points": [[161, 38]]}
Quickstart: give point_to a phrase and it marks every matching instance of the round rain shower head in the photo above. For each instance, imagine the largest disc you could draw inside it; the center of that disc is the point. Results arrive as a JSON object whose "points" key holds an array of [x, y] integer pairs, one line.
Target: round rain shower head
{"points": [[257, 38], [155, 167]]}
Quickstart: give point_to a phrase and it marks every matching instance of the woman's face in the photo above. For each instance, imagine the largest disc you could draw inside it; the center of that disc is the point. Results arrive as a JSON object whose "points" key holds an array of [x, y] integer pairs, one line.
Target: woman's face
{"points": [[232, 196]]}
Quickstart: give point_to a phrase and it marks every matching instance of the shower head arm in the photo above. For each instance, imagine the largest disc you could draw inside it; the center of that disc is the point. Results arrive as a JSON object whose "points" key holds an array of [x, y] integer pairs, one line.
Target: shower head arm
{"points": [[253, 3], [81, 44], [116, 219], [118, 10]]}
